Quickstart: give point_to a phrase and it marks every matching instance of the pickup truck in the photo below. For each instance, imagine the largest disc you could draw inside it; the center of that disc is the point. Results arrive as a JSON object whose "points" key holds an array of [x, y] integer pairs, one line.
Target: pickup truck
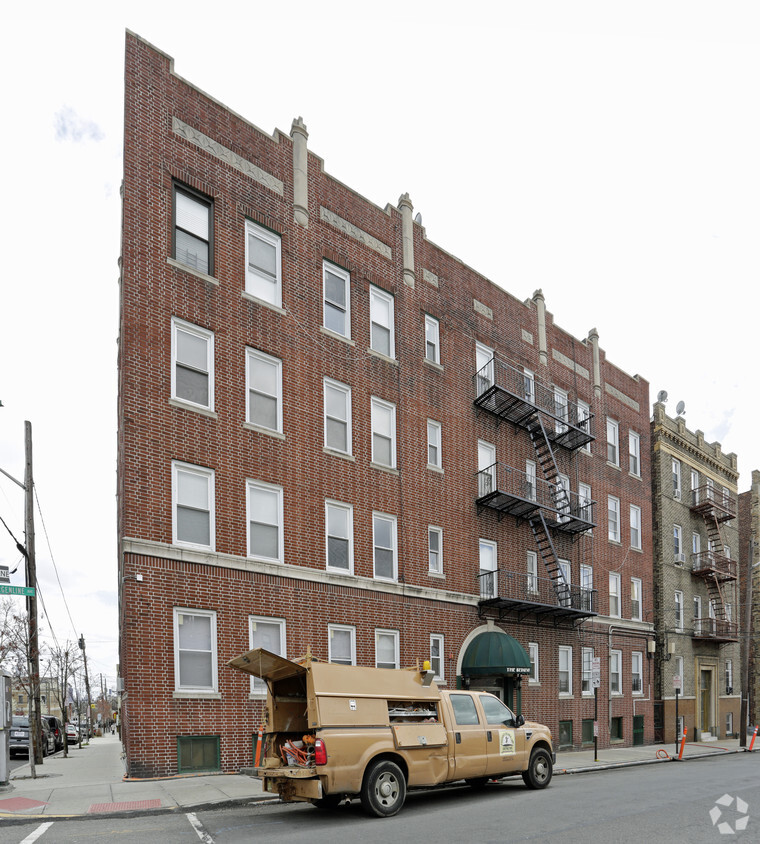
{"points": [[334, 732]]}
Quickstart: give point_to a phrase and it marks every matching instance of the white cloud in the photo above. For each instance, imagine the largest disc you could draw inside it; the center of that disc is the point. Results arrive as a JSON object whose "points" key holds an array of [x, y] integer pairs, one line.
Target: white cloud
{"points": [[69, 126]]}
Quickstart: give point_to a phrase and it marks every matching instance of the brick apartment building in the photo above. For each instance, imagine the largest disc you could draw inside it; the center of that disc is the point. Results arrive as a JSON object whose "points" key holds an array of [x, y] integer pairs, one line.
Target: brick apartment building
{"points": [[697, 601], [335, 437], [749, 557]]}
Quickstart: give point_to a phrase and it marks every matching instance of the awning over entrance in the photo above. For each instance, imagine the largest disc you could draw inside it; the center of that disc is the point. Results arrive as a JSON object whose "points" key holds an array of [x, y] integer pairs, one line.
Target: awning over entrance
{"points": [[495, 652]]}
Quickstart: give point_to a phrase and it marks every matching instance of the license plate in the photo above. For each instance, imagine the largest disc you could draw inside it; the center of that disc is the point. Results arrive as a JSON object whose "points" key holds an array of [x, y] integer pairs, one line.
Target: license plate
{"points": [[19, 735]]}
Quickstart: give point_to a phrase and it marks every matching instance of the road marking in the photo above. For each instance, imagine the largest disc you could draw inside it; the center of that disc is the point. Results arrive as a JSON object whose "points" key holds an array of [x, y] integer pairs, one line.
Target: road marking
{"points": [[41, 830], [198, 827]]}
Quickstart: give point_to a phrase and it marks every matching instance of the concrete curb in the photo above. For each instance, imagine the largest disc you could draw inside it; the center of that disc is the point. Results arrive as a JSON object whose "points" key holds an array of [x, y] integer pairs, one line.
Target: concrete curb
{"points": [[606, 766]]}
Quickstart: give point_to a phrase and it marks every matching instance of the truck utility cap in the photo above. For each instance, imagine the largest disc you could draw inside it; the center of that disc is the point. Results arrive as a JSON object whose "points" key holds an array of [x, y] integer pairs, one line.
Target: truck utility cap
{"points": [[266, 665]]}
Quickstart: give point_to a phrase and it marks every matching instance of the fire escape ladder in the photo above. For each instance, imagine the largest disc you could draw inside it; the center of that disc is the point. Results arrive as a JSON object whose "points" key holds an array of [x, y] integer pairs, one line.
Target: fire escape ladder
{"points": [[549, 555], [715, 544], [548, 463]]}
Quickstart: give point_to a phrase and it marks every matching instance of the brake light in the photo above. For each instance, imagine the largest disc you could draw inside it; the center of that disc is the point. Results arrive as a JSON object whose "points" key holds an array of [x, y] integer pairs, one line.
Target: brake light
{"points": [[320, 752]]}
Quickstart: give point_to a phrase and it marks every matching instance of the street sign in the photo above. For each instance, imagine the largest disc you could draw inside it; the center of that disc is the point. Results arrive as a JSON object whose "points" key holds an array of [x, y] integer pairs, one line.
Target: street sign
{"points": [[16, 590], [596, 682], [677, 681], [5, 574]]}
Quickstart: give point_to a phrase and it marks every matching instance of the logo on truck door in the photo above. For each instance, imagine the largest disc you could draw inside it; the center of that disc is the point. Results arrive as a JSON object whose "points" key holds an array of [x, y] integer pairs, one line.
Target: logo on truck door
{"points": [[506, 742]]}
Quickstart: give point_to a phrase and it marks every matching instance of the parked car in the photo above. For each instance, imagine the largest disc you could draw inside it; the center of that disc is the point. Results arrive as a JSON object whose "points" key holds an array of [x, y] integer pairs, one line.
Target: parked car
{"points": [[56, 728], [72, 734], [19, 739]]}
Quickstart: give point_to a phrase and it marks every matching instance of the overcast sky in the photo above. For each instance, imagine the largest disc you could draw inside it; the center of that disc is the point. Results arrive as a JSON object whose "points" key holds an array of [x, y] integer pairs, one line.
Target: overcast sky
{"points": [[606, 152]]}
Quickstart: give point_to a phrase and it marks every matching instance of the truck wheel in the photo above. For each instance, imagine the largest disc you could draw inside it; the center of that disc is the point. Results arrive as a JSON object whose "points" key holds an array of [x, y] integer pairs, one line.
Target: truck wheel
{"points": [[539, 773], [383, 789]]}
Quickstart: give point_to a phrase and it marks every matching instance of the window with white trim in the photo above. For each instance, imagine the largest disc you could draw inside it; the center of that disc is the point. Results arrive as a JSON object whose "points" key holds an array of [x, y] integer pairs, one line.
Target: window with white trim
{"points": [[529, 385], [565, 671], [532, 572], [486, 468], [385, 546], [613, 518], [269, 634], [676, 475], [613, 442], [533, 677], [678, 553], [193, 506], [264, 381], [432, 340], [678, 604], [587, 588], [616, 672], [487, 568], [615, 608], [435, 550], [637, 672], [383, 419], [192, 378], [434, 444], [381, 322], [195, 660], [386, 649], [560, 410], [531, 489], [587, 687], [635, 527], [634, 453], [636, 605], [696, 543], [484, 368], [263, 273], [436, 656], [585, 502], [336, 285], [192, 230], [265, 521], [729, 677], [584, 422], [694, 486], [339, 530], [341, 644], [337, 406]]}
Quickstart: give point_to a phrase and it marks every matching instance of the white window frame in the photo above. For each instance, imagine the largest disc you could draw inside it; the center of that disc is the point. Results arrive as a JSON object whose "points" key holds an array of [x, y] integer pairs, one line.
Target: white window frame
{"points": [[330, 306], [697, 604], [678, 552], [636, 599], [180, 325], [613, 524], [531, 480], [729, 675], [202, 233], [676, 477], [694, 486], [343, 390], [179, 468], [259, 686], [277, 492], [567, 652], [378, 407], [484, 360], [349, 629], [634, 454], [435, 554], [584, 423], [587, 689], [434, 444], [348, 511], [254, 278], [587, 587], [532, 567], [613, 442], [394, 636], [561, 409], [252, 358], [696, 543], [616, 673], [211, 615], [534, 677], [488, 554], [486, 460], [437, 639], [529, 385], [381, 311], [678, 605], [432, 340], [635, 523], [393, 522], [615, 593], [637, 671]]}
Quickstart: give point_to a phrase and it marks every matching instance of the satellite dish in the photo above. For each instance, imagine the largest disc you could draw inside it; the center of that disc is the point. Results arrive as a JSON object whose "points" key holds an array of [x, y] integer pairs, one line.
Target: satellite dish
{"points": [[680, 407], [662, 396]]}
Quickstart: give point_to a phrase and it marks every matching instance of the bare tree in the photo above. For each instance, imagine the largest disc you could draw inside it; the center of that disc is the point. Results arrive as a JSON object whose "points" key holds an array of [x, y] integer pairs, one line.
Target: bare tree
{"points": [[65, 660]]}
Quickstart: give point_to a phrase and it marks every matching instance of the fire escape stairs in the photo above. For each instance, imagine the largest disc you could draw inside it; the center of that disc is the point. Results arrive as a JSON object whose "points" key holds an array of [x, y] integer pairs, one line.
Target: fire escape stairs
{"points": [[715, 544]]}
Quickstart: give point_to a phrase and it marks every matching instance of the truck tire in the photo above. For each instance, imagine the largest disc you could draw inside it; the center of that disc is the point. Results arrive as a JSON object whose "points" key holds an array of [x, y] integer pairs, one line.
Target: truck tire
{"points": [[383, 790], [539, 773]]}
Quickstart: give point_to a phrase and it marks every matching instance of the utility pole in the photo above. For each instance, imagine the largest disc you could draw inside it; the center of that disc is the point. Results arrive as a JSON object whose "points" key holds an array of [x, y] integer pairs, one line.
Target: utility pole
{"points": [[31, 602], [87, 687], [744, 711]]}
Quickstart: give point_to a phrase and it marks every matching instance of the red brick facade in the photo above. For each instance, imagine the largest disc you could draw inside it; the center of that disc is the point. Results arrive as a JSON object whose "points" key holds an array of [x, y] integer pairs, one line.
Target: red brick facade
{"points": [[227, 161]]}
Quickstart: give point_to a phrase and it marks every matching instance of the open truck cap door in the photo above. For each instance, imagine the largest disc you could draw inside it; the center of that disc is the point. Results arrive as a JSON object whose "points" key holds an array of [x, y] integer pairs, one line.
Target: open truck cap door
{"points": [[266, 665]]}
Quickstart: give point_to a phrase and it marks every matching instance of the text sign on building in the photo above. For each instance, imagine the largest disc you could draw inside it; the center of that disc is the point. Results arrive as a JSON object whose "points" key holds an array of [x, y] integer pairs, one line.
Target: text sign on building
{"points": [[596, 672], [677, 681], [16, 590], [4, 574]]}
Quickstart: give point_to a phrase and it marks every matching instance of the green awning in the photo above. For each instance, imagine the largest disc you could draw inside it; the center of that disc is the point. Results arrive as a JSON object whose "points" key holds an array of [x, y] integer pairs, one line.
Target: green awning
{"points": [[495, 652]]}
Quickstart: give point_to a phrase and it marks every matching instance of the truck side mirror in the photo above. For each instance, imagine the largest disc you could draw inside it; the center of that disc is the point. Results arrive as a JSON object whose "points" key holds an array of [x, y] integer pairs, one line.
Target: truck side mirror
{"points": [[519, 720]]}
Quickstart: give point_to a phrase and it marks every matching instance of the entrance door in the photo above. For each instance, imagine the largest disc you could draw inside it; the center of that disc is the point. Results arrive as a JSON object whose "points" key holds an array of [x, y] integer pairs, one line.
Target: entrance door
{"points": [[638, 730], [705, 709]]}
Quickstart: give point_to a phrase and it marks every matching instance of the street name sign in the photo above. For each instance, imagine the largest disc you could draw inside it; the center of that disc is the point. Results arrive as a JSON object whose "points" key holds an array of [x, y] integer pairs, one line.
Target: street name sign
{"points": [[16, 590]]}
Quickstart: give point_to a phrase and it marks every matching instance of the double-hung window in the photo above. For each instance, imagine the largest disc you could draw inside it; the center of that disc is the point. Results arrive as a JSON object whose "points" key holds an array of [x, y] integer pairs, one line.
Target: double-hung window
{"points": [[192, 230], [532, 572], [636, 598], [265, 521], [560, 410], [432, 340], [587, 588], [533, 677], [337, 299], [434, 444], [615, 594], [341, 643], [385, 546], [613, 518], [337, 403], [195, 650], [678, 605], [484, 368], [193, 506], [486, 468], [584, 422], [587, 687], [634, 453], [268, 633], [613, 442], [381, 322], [263, 274], [565, 671], [436, 656], [676, 470], [435, 550], [637, 672], [487, 568], [386, 649], [616, 667], [694, 486], [339, 530], [264, 381], [636, 527], [192, 364], [678, 552], [383, 419]]}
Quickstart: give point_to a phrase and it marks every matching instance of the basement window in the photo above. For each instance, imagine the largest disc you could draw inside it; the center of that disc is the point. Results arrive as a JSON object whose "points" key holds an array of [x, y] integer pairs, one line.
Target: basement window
{"points": [[198, 753]]}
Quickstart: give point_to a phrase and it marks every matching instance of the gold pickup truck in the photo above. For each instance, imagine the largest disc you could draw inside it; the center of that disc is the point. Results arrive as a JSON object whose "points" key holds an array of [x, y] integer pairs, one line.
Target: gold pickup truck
{"points": [[339, 731]]}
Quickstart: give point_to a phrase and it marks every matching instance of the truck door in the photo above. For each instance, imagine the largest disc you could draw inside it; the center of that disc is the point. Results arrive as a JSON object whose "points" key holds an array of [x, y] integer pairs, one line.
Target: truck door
{"points": [[505, 743], [469, 737]]}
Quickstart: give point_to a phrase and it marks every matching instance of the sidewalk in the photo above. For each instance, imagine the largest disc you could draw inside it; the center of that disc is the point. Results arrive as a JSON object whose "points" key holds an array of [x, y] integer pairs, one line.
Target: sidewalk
{"points": [[91, 781]]}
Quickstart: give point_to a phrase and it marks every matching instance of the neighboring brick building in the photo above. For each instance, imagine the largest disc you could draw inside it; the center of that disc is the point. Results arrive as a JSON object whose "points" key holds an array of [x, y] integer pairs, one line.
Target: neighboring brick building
{"points": [[749, 558], [334, 436], [697, 606]]}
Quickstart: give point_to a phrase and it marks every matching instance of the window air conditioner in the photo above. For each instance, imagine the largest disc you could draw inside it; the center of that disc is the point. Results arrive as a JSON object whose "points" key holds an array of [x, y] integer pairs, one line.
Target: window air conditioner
{"points": [[677, 494], [680, 558]]}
